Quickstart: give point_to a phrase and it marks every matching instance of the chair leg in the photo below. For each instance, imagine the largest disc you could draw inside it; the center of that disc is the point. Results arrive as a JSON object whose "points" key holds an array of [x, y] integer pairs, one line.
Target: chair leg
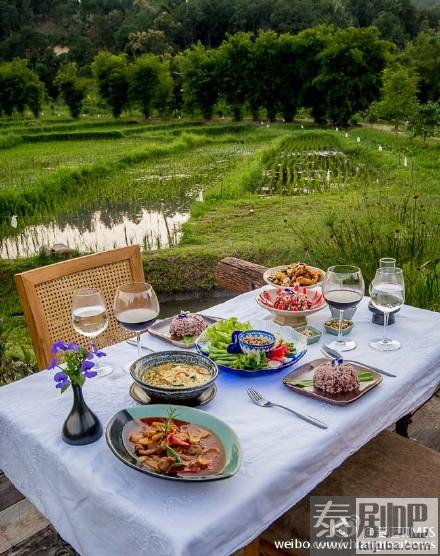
{"points": [[402, 425], [252, 549]]}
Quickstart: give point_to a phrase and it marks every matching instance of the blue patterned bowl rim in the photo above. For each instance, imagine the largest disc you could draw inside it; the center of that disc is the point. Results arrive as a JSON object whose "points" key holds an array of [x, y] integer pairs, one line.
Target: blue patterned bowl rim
{"points": [[242, 338], [152, 359]]}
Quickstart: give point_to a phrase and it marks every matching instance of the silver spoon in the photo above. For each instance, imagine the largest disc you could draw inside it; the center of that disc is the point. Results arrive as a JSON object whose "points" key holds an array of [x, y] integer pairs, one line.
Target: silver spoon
{"points": [[333, 354]]}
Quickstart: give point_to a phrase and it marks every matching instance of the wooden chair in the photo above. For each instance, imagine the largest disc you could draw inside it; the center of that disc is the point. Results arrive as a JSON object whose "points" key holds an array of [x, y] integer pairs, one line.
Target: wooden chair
{"points": [[46, 296]]}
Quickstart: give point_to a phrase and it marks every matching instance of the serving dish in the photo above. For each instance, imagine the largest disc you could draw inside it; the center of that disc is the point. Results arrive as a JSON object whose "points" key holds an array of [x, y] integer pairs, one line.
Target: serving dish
{"points": [[161, 329], [268, 276], [313, 336], [125, 422], [286, 333], [290, 318], [332, 330], [249, 339], [306, 371], [141, 396], [173, 394]]}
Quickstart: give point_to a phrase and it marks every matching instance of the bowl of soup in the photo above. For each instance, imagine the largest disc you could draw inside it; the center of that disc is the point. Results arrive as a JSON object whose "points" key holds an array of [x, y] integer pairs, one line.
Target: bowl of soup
{"points": [[174, 376]]}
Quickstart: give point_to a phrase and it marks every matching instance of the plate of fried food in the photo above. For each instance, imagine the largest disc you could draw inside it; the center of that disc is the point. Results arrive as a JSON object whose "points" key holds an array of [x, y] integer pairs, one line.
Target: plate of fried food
{"points": [[287, 276]]}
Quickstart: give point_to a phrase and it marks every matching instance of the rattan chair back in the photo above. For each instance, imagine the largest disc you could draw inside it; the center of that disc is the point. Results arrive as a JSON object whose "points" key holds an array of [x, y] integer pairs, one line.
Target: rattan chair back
{"points": [[46, 296]]}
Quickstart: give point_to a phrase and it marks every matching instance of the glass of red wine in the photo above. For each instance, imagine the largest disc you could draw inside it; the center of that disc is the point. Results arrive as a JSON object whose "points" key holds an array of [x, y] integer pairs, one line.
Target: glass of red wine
{"points": [[136, 308], [343, 288]]}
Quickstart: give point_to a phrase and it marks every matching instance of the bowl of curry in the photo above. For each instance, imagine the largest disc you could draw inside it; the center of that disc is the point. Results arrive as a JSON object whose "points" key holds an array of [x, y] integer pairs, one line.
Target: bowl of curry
{"points": [[174, 376]]}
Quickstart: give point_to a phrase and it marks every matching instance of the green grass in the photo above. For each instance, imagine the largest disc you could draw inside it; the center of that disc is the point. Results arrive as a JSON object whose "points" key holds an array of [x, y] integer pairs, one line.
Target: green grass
{"points": [[267, 197]]}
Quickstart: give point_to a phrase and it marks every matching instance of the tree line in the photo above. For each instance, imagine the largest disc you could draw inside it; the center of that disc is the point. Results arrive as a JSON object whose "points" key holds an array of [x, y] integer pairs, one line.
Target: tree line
{"points": [[334, 73]]}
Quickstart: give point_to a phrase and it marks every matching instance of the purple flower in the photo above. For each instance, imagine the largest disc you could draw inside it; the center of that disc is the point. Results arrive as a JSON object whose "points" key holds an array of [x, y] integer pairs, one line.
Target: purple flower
{"points": [[73, 346], [53, 364], [85, 369], [59, 345], [97, 352], [61, 379]]}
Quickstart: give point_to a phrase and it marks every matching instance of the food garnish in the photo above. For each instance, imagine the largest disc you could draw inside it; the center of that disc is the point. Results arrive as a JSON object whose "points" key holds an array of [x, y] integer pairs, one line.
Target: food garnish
{"points": [[296, 273], [171, 446], [291, 299], [225, 350]]}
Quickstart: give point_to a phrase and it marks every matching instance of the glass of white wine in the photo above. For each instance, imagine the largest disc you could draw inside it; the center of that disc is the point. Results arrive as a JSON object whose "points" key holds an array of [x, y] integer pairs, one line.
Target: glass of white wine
{"points": [[90, 319], [387, 291]]}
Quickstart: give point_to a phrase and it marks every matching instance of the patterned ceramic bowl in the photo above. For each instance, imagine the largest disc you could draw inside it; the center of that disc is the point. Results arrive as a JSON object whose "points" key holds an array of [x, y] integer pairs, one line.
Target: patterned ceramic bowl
{"points": [[172, 394], [252, 341]]}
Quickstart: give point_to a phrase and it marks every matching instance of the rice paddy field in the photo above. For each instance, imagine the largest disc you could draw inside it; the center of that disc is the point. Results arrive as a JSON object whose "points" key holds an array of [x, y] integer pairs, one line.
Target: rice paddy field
{"points": [[191, 192]]}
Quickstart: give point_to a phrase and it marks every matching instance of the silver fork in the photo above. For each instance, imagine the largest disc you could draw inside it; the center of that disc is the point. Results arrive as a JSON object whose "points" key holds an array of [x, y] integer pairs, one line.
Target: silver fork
{"points": [[258, 399]]}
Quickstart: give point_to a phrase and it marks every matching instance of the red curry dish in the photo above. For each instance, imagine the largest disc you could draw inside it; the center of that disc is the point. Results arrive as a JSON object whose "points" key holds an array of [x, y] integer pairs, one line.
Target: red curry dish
{"points": [[174, 447]]}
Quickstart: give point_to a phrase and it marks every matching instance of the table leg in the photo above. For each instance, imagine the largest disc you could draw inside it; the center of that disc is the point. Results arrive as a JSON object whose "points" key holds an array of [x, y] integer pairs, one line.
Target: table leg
{"points": [[403, 424], [252, 549]]}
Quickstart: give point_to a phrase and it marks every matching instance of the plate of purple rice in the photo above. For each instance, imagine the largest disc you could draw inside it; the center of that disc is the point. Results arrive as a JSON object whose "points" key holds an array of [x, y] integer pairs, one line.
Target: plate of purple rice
{"points": [[336, 384]]}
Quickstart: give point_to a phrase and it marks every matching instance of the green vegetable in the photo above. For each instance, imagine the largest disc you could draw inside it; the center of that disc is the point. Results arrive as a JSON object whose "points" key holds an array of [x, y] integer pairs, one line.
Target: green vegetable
{"points": [[220, 334]]}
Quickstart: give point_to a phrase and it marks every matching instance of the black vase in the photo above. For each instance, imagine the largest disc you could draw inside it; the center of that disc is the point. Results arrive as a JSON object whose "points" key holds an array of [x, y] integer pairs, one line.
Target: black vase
{"points": [[82, 426]]}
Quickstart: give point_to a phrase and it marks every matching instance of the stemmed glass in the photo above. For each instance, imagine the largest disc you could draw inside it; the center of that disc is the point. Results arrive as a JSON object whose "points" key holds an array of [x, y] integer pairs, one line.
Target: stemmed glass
{"points": [[135, 308], [90, 319], [387, 291], [343, 288]]}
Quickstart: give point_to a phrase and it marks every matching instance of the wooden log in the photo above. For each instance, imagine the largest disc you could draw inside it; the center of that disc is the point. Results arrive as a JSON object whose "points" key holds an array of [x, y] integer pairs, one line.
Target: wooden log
{"points": [[238, 275]]}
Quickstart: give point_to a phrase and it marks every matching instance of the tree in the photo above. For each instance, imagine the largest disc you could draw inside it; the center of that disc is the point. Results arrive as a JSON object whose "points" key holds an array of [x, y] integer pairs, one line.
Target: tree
{"points": [[399, 95], [289, 92], [266, 73], [426, 120], [73, 88], [19, 87], [350, 72], [423, 56], [111, 73], [200, 79], [150, 84], [236, 71]]}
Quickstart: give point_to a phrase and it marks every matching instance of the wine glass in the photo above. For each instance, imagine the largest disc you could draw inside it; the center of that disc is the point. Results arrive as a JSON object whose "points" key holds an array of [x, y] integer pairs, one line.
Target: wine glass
{"points": [[136, 307], [387, 291], [90, 319], [343, 288]]}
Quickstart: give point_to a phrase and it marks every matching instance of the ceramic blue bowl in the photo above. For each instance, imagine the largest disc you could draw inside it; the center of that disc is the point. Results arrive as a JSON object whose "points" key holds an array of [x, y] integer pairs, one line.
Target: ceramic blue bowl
{"points": [[170, 394], [252, 341]]}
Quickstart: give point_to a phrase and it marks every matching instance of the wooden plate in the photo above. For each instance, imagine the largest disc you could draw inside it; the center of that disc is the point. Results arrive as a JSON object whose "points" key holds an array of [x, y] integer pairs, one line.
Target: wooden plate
{"points": [[161, 329], [305, 372]]}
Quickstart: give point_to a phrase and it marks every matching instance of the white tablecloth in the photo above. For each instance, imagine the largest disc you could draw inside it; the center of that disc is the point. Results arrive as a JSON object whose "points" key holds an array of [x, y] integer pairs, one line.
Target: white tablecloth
{"points": [[102, 507]]}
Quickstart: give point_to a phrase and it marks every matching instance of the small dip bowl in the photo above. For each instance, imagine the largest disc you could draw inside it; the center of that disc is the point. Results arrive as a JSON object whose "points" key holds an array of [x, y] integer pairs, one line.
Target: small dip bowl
{"points": [[312, 334], [334, 329], [172, 394], [252, 341]]}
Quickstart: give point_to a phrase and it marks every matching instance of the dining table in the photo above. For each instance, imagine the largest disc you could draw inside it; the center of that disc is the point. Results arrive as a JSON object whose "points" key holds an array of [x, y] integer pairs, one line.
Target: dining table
{"points": [[105, 508]]}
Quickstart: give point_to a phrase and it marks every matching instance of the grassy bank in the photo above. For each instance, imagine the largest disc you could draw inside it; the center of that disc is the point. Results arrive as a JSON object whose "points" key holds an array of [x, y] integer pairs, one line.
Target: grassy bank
{"points": [[270, 195]]}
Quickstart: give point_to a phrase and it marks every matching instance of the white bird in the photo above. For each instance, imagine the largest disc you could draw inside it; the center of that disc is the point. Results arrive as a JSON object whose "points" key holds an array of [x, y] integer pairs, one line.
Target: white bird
{"points": [[302, 127], [405, 162], [337, 129], [358, 139], [14, 222], [380, 148], [346, 135]]}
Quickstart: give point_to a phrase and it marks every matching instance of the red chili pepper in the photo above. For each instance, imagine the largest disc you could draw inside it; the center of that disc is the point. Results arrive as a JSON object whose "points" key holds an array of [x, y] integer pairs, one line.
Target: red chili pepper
{"points": [[177, 442]]}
